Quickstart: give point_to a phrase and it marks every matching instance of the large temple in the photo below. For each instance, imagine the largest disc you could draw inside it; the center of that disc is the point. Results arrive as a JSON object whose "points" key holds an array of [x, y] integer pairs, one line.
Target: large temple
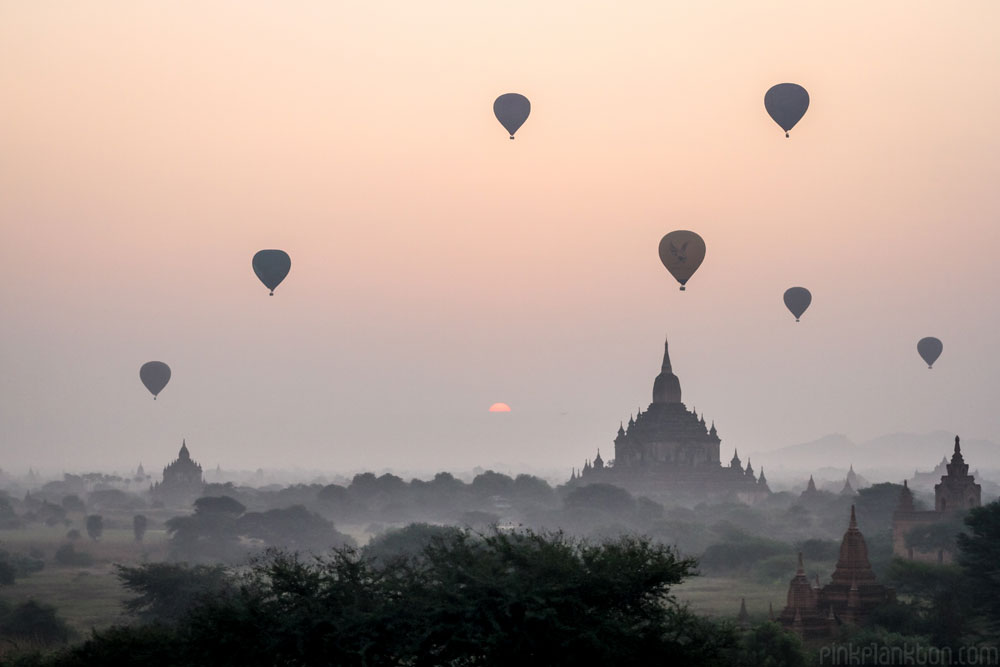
{"points": [[817, 611], [955, 494], [669, 450], [182, 480]]}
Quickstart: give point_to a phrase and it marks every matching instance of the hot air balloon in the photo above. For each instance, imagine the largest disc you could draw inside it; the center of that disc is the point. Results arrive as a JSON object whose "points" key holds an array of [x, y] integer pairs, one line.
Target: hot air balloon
{"points": [[929, 349], [155, 375], [512, 109], [682, 252], [271, 266], [786, 103], [797, 299]]}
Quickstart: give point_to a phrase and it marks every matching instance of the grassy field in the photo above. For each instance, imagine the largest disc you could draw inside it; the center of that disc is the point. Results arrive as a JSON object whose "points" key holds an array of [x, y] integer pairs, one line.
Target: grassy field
{"points": [[720, 597], [86, 597]]}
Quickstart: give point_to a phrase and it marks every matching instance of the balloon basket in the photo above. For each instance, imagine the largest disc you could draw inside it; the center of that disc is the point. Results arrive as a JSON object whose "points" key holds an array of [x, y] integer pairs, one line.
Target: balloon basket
{"points": [[683, 288]]}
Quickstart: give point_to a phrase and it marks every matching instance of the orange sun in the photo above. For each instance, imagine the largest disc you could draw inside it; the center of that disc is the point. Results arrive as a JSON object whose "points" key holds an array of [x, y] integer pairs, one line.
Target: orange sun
{"points": [[499, 407]]}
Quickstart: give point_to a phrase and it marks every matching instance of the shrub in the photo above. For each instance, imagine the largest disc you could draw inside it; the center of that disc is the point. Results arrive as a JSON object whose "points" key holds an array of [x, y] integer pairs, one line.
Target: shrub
{"points": [[67, 555], [34, 620]]}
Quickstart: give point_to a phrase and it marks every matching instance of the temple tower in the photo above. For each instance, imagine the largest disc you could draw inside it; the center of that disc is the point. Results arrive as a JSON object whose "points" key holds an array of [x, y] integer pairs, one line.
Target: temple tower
{"points": [[958, 490]]}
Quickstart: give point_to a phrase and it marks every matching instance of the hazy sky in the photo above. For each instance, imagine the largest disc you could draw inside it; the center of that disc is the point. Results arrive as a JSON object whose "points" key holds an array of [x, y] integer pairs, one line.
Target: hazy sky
{"points": [[149, 149]]}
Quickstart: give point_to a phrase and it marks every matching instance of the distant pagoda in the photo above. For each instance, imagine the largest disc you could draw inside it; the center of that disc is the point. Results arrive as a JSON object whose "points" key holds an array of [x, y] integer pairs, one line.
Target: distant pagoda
{"points": [[670, 450]]}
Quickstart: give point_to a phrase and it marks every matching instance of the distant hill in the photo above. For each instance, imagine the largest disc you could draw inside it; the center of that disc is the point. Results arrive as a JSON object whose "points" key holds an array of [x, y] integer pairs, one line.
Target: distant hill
{"points": [[898, 453]]}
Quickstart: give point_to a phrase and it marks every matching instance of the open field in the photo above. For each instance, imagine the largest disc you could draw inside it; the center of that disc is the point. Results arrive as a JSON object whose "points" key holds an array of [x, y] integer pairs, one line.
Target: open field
{"points": [[87, 597], [720, 597]]}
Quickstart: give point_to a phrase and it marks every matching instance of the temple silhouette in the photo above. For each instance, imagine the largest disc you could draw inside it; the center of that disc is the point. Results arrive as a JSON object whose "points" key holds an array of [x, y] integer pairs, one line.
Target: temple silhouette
{"points": [[815, 611], [182, 480], [954, 495], [669, 450]]}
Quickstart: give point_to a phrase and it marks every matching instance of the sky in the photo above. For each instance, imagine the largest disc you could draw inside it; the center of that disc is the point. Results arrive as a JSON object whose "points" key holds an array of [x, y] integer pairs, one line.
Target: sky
{"points": [[149, 149]]}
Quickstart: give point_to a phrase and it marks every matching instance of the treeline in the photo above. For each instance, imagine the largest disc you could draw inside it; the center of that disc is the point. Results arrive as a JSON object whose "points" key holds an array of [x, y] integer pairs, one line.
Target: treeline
{"points": [[428, 596]]}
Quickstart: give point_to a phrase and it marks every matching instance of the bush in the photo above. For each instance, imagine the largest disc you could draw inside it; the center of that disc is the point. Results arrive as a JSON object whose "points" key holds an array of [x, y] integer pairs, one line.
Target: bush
{"points": [[67, 555], [19, 565], [34, 620]]}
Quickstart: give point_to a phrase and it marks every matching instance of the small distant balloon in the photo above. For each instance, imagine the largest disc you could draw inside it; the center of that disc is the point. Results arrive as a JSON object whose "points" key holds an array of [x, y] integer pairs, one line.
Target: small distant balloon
{"points": [[786, 103], [797, 299], [511, 109], [499, 407], [682, 252], [155, 375], [929, 349], [271, 266]]}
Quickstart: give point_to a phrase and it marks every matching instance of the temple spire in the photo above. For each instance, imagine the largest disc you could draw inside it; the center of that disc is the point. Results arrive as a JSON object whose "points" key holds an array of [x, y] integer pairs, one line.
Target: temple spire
{"points": [[666, 387], [853, 525]]}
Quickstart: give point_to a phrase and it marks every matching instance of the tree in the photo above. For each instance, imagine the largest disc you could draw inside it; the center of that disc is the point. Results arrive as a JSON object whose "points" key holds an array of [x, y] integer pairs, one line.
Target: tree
{"points": [[37, 621], [601, 498], [519, 598], [95, 526], [294, 528], [210, 534], [139, 523], [407, 542], [72, 503], [165, 592], [979, 558], [936, 604], [770, 645]]}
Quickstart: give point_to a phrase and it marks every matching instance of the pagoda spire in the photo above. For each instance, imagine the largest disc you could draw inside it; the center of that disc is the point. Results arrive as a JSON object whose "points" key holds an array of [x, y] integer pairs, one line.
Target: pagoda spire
{"points": [[666, 387]]}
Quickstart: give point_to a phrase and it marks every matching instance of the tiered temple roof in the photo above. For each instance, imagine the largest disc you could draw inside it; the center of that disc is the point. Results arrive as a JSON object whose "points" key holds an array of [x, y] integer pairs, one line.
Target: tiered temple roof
{"points": [[815, 611], [667, 443]]}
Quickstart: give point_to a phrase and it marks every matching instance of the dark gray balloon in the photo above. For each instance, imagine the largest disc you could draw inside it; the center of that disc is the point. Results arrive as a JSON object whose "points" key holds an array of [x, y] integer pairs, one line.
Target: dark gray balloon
{"points": [[271, 266], [512, 109], [797, 299], [786, 103], [682, 252], [929, 349], [155, 375]]}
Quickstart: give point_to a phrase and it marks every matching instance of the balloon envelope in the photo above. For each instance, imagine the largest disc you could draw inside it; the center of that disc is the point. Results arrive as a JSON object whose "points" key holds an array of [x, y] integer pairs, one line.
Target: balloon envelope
{"points": [[797, 299], [155, 375], [511, 109], [929, 349], [786, 103], [271, 266], [682, 252]]}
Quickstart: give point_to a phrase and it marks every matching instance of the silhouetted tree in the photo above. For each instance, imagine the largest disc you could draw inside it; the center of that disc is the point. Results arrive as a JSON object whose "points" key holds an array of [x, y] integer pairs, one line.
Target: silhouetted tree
{"points": [[165, 592], [770, 645], [95, 526], [601, 498], [36, 621], [139, 523], [497, 599], [72, 503], [294, 528], [979, 558]]}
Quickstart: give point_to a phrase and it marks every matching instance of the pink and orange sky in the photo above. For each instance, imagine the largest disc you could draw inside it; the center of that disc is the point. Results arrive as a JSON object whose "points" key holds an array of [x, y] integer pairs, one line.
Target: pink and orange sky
{"points": [[148, 149]]}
